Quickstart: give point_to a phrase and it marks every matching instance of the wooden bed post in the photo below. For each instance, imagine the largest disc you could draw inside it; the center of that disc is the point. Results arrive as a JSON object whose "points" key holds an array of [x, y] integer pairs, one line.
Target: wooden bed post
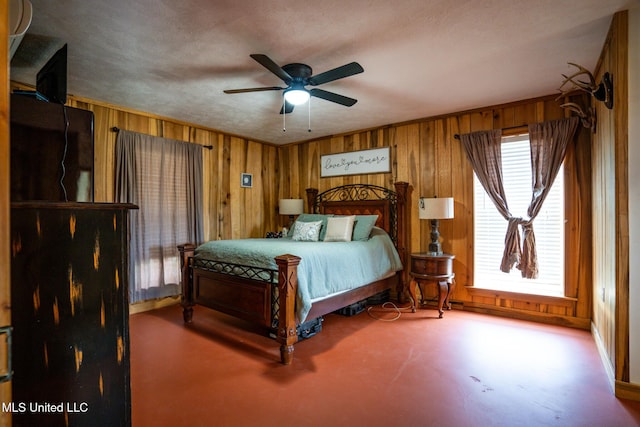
{"points": [[403, 239], [186, 252], [312, 193], [287, 289]]}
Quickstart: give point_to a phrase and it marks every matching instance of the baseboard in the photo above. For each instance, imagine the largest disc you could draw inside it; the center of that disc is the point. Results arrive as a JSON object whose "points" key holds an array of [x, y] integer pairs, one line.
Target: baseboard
{"points": [[621, 389], [627, 390], [604, 356], [532, 316], [153, 304]]}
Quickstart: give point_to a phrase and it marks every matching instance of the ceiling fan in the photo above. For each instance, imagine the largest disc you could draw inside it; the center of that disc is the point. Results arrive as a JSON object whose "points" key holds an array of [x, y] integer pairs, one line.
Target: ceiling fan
{"points": [[297, 76]]}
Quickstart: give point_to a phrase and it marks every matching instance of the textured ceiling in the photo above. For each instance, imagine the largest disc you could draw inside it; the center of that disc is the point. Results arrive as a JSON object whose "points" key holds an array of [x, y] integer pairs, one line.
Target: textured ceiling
{"points": [[421, 57]]}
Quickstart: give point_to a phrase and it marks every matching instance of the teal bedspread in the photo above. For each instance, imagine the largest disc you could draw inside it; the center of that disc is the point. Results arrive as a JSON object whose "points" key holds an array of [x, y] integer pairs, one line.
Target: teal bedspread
{"points": [[326, 268]]}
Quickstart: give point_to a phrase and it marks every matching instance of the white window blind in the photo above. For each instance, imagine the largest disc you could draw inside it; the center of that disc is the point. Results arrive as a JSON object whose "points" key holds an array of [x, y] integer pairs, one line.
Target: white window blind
{"points": [[490, 227]]}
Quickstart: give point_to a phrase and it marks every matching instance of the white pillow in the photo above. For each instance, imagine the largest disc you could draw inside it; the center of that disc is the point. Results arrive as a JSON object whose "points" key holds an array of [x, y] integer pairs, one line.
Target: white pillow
{"points": [[339, 228], [306, 231]]}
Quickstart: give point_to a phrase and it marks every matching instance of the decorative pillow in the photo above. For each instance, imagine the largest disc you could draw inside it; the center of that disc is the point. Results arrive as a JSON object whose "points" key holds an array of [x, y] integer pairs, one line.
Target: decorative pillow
{"points": [[339, 229], [308, 217], [307, 231], [363, 226]]}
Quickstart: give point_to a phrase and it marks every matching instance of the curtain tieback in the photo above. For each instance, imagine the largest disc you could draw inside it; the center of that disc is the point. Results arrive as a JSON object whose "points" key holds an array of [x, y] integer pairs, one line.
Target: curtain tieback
{"points": [[526, 224]]}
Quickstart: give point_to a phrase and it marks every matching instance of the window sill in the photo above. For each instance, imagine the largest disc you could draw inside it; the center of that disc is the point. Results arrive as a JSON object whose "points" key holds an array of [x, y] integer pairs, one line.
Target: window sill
{"points": [[522, 296]]}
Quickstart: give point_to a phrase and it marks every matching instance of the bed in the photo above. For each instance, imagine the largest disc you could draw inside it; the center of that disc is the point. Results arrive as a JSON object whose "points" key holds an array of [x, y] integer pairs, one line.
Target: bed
{"points": [[271, 292]]}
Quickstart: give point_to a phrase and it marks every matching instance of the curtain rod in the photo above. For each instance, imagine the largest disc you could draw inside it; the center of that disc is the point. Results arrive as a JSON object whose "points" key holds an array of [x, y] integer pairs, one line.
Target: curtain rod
{"points": [[457, 136], [208, 147]]}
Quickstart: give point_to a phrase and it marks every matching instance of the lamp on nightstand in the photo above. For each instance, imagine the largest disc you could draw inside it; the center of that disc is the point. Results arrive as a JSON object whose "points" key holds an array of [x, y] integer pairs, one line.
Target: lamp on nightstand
{"points": [[435, 209], [291, 207]]}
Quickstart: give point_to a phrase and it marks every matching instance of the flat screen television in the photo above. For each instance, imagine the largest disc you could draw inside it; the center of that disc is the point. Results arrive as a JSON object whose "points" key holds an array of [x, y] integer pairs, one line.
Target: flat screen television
{"points": [[52, 150], [51, 80]]}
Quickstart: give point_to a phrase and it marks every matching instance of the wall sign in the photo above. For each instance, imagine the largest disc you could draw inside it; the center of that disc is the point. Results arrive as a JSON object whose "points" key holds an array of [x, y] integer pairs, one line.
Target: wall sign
{"points": [[376, 160]]}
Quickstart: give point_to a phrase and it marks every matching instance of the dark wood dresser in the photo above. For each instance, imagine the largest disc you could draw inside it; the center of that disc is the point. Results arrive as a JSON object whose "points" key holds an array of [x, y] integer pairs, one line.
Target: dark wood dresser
{"points": [[69, 296]]}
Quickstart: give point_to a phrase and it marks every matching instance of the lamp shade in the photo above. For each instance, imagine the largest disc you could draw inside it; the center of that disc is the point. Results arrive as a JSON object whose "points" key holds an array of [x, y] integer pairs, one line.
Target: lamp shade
{"points": [[435, 208], [291, 206]]}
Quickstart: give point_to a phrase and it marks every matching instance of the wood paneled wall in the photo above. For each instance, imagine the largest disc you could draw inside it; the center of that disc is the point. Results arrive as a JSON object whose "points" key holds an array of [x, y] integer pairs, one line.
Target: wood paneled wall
{"points": [[425, 154], [610, 202]]}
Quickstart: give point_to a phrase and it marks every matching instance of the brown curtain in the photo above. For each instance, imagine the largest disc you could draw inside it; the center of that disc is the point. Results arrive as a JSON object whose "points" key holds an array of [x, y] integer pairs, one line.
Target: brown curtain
{"points": [[164, 178], [549, 142], [484, 151]]}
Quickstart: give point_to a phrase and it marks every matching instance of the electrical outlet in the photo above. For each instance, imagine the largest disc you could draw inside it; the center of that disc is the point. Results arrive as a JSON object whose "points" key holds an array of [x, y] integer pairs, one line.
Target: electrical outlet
{"points": [[602, 294]]}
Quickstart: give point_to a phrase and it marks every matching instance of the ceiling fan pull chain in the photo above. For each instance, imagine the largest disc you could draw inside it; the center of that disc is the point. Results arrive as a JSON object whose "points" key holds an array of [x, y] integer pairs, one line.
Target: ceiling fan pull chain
{"points": [[309, 102], [284, 115]]}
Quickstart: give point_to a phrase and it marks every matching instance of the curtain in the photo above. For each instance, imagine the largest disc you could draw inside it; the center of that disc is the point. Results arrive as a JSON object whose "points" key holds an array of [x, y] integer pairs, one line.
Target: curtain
{"points": [[549, 141], [484, 151], [163, 177]]}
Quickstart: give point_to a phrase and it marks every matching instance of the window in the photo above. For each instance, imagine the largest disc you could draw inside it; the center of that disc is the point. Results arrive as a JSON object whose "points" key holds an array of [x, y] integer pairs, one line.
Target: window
{"points": [[490, 227]]}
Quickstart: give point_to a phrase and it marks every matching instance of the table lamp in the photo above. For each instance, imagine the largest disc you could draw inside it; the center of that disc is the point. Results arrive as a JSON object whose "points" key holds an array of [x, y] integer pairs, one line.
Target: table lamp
{"points": [[291, 207], [435, 209]]}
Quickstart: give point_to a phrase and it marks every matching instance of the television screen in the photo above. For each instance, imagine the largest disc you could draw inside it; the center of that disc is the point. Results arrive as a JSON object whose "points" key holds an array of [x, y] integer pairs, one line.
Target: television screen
{"points": [[50, 160], [51, 80]]}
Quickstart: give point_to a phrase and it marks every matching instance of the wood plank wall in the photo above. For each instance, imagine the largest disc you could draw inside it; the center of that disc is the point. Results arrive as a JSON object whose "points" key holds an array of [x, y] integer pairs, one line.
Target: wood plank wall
{"points": [[610, 203], [425, 154]]}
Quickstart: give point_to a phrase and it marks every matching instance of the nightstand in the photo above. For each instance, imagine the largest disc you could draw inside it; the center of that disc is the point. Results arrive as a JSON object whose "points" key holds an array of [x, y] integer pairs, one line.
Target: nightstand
{"points": [[429, 268]]}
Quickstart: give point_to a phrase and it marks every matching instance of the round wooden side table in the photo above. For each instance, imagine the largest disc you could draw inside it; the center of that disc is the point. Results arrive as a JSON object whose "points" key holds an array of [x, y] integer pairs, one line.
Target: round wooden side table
{"points": [[429, 268]]}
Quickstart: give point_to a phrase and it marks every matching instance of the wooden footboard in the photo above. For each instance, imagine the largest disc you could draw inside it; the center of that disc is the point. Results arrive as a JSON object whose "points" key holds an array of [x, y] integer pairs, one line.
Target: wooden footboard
{"points": [[245, 298]]}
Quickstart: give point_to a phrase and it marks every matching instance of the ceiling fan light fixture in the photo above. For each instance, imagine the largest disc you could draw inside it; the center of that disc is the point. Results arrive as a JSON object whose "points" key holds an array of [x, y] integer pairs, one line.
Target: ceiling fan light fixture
{"points": [[296, 96]]}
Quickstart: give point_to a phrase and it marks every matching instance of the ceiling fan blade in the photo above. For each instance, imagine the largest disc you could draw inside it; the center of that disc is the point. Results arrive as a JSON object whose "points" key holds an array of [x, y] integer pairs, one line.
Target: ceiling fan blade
{"points": [[287, 108], [268, 63], [253, 89], [335, 74], [333, 97]]}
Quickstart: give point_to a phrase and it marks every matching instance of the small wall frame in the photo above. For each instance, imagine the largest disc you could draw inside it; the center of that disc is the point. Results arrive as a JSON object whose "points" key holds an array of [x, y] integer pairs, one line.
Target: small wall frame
{"points": [[246, 180]]}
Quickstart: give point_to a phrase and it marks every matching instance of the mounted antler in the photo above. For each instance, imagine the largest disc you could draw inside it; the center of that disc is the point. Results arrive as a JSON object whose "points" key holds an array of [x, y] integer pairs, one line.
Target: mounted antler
{"points": [[589, 86], [587, 119], [602, 91]]}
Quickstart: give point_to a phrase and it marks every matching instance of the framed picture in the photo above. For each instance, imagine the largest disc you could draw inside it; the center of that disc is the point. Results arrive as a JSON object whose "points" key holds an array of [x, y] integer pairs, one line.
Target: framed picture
{"points": [[246, 180], [376, 160]]}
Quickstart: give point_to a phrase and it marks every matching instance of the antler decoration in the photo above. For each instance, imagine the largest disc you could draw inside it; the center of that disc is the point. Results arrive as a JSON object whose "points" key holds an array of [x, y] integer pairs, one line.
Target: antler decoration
{"points": [[602, 91], [587, 119]]}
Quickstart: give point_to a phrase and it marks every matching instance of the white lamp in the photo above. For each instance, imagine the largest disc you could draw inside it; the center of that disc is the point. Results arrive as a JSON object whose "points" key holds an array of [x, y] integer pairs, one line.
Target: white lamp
{"points": [[291, 207], [435, 209], [297, 95]]}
